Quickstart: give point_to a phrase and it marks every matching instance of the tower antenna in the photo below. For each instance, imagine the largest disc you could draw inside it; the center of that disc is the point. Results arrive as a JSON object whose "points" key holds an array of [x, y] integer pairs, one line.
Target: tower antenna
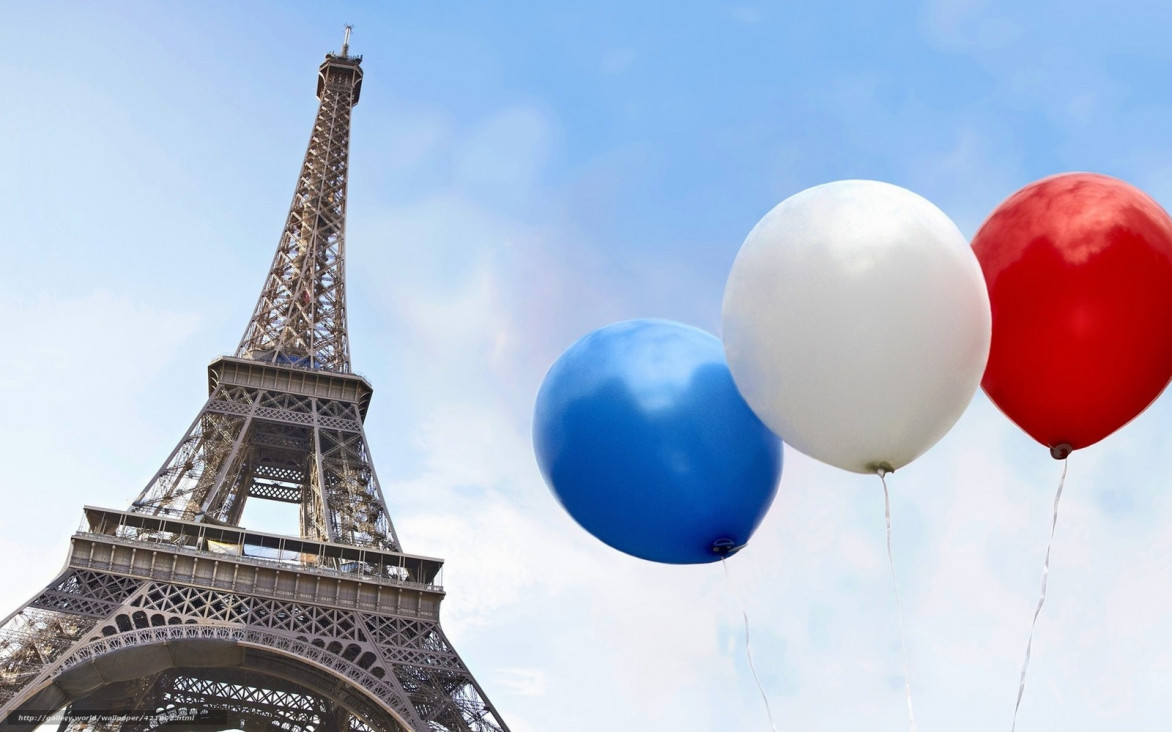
{"points": [[346, 41]]}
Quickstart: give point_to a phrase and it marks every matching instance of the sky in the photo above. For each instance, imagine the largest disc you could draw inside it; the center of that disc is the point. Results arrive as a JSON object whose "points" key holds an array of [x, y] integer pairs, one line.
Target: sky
{"points": [[522, 174]]}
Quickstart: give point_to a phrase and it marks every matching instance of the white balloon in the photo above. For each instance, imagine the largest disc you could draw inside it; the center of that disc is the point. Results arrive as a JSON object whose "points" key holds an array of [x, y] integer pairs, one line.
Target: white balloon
{"points": [[856, 323]]}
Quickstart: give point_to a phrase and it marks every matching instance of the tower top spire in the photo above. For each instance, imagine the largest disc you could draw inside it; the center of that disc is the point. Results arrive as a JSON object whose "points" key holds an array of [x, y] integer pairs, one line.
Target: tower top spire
{"points": [[300, 317]]}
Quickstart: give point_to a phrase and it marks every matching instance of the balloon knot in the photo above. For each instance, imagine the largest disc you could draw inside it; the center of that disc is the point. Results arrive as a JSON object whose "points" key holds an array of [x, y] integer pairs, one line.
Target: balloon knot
{"points": [[1061, 451], [726, 547], [882, 468]]}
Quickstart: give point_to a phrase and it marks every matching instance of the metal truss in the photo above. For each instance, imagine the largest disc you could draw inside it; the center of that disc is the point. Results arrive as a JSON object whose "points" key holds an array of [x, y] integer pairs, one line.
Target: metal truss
{"points": [[275, 445], [300, 318], [172, 606], [108, 640], [179, 695]]}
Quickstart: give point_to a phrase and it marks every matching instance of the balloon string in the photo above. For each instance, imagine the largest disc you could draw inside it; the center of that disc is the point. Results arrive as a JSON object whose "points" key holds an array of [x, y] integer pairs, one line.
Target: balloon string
{"points": [[748, 652], [1042, 597], [907, 684]]}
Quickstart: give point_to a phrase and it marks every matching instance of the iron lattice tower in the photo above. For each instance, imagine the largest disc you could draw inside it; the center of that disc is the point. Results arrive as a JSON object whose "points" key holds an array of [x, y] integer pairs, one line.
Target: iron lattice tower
{"points": [[173, 608]]}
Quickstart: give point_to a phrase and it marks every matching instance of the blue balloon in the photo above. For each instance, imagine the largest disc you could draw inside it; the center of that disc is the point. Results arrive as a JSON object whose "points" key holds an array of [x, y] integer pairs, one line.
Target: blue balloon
{"points": [[644, 439]]}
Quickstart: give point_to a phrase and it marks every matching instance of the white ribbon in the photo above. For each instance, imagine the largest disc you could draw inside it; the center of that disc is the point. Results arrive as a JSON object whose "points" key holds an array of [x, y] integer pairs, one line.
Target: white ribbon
{"points": [[907, 684], [1042, 598], [748, 653]]}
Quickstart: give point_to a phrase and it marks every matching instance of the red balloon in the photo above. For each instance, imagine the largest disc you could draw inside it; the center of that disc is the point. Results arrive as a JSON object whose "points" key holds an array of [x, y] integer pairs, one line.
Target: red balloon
{"points": [[1079, 270]]}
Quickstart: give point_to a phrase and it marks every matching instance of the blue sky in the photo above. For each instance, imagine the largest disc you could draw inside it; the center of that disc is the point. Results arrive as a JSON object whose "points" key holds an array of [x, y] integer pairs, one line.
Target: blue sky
{"points": [[521, 175]]}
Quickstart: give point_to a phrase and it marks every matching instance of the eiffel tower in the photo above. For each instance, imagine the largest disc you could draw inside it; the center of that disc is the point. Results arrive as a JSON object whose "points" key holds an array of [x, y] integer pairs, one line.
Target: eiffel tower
{"points": [[178, 616]]}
